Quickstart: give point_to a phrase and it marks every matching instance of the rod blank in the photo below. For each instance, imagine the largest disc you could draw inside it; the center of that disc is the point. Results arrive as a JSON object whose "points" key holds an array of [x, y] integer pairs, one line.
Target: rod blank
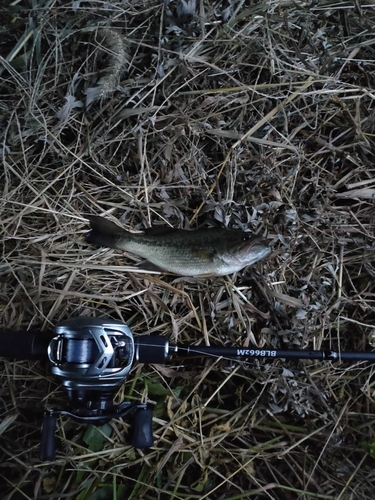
{"points": [[156, 349], [244, 353]]}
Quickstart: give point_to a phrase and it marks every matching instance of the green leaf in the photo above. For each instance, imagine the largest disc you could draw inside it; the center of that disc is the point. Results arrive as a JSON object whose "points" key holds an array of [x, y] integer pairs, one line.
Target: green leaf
{"points": [[120, 493], [158, 390], [369, 448], [103, 493], [141, 484], [177, 391], [80, 475], [200, 485], [82, 495], [94, 436]]}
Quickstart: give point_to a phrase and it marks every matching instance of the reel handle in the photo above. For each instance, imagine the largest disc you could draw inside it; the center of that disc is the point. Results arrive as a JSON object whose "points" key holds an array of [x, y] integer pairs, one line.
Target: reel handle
{"points": [[142, 429], [47, 449]]}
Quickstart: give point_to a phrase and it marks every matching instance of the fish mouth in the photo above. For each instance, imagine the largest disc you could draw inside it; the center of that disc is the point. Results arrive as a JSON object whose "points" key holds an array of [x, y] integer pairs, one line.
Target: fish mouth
{"points": [[255, 250], [258, 244], [261, 241]]}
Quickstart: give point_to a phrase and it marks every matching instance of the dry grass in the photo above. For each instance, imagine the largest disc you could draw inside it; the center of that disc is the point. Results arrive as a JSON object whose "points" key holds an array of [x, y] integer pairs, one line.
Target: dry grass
{"points": [[256, 115]]}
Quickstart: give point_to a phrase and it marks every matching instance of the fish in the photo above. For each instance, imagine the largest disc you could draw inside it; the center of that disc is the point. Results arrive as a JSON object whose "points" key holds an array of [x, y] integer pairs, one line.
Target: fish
{"points": [[199, 252]]}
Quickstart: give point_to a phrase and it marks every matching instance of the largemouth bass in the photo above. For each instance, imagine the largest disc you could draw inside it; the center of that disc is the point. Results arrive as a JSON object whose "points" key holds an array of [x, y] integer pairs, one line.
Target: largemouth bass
{"points": [[199, 252]]}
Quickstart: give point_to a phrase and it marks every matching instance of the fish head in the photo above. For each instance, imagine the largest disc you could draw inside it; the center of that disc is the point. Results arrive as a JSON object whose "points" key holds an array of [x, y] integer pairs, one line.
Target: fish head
{"points": [[246, 249]]}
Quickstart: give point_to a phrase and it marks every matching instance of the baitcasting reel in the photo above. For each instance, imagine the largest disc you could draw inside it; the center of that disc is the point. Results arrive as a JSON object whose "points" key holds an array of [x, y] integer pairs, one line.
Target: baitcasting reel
{"points": [[93, 357]]}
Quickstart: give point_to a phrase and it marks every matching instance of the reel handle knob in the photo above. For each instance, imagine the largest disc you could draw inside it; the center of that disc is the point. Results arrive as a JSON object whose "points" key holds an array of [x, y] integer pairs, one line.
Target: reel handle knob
{"points": [[142, 429], [47, 450]]}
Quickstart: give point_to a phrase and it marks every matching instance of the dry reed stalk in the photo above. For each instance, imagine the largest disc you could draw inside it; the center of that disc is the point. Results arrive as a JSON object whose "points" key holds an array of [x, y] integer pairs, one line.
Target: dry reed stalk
{"points": [[257, 116]]}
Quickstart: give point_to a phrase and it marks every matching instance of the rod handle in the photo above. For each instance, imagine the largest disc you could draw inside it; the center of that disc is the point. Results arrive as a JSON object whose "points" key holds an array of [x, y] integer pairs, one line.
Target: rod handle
{"points": [[23, 345]]}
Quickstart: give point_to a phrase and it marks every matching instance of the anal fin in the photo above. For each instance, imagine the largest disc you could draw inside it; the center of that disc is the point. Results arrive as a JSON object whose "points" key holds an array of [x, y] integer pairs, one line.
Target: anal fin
{"points": [[145, 265]]}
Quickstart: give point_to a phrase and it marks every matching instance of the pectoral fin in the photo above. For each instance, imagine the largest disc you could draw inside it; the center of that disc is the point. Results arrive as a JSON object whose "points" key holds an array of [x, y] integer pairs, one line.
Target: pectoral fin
{"points": [[203, 254]]}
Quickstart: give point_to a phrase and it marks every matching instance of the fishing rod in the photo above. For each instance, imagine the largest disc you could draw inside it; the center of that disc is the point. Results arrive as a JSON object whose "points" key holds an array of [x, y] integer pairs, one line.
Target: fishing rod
{"points": [[92, 358]]}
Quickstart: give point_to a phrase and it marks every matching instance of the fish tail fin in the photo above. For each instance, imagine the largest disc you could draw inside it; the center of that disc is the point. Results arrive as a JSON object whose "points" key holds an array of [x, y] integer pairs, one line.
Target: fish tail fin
{"points": [[104, 232]]}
